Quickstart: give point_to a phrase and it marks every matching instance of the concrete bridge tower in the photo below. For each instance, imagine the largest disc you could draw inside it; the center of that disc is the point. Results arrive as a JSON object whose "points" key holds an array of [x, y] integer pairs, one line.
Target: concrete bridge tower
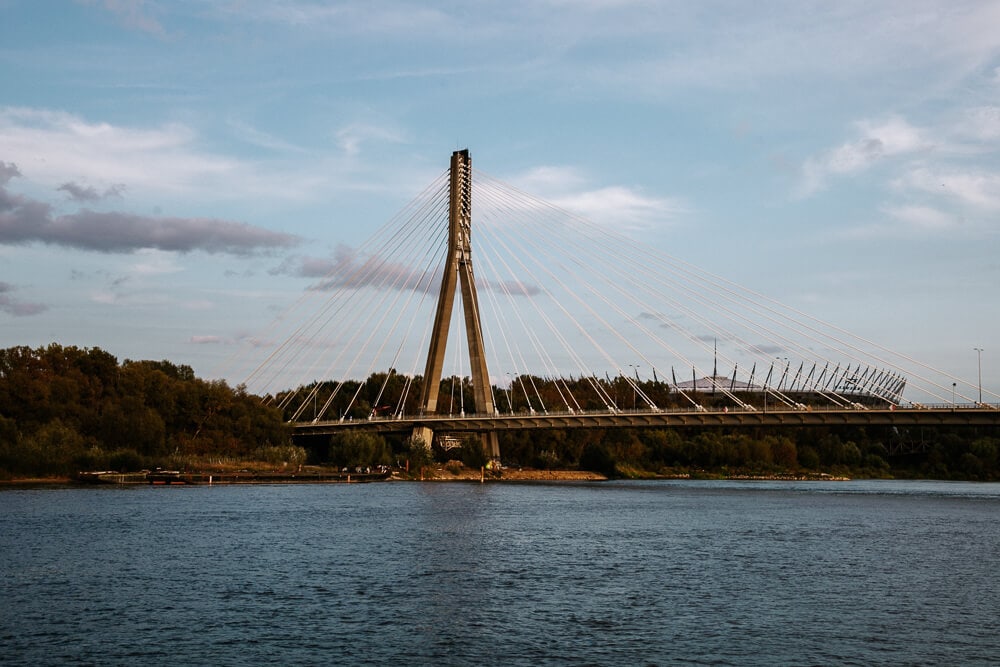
{"points": [[458, 274]]}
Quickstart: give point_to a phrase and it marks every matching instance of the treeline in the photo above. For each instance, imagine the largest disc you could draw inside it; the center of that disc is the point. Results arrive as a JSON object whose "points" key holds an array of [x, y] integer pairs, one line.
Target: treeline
{"points": [[64, 409], [385, 394], [938, 453]]}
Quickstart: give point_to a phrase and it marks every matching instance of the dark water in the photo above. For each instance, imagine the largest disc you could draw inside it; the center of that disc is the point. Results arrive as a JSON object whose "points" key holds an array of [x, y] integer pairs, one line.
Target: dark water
{"points": [[627, 573]]}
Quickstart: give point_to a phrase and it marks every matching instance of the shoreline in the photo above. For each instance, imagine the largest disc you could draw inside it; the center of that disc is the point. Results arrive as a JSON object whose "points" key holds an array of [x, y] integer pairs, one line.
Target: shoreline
{"points": [[438, 473]]}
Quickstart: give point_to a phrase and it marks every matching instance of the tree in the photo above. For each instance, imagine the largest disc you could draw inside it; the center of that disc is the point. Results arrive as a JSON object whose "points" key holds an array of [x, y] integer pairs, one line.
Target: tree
{"points": [[63, 406], [355, 448], [596, 457], [809, 458]]}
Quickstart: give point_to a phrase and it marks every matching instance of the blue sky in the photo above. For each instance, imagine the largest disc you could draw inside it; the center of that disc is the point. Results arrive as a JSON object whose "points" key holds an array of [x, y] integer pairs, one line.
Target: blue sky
{"points": [[172, 173]]}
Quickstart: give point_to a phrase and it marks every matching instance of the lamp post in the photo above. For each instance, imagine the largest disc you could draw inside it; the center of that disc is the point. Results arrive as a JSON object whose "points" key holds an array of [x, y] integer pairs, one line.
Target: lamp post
{"points": [[979, 354], [635, 388], [953, 384]]}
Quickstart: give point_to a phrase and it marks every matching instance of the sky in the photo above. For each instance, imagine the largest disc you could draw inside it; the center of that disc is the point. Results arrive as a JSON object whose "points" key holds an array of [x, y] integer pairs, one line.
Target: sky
{"points": [[174, 173]]}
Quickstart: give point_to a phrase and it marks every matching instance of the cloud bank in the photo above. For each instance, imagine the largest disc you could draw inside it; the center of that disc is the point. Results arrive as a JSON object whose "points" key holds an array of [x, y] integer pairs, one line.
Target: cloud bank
{"points": [[82, 193], [24, 220], [878, 141], [13, 306]]}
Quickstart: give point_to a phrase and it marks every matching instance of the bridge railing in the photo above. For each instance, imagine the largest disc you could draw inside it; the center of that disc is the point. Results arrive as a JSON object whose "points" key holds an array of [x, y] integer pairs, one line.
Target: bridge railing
{"points": [[528, 414]]}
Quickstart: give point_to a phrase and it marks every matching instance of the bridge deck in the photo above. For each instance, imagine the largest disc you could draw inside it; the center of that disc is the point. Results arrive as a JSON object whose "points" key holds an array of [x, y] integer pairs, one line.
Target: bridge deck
{"points": [[983, 415]]}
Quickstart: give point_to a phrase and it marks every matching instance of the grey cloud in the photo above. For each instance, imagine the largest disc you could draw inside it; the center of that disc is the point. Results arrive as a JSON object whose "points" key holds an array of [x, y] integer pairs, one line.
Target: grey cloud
{"points": [[351, 275], [345, 270], [13, 306], [302, 266], [82, 193], [23, 220], [319, 267], [663, 320], [242, 339], [123, 232], [512, 287], [8, 170]]}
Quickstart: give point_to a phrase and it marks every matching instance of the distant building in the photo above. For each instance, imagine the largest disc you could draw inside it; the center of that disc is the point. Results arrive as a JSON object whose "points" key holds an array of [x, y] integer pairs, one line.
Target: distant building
{"points": [[716, 383]]}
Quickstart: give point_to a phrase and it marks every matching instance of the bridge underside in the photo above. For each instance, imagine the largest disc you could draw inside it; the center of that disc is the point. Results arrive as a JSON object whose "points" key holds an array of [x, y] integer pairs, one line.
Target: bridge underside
{"points": [[687, 419]]}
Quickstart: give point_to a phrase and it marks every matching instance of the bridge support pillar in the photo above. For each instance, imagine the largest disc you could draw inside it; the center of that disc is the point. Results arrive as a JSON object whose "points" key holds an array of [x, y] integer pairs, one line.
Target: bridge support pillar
{"points": [[458, 274]]}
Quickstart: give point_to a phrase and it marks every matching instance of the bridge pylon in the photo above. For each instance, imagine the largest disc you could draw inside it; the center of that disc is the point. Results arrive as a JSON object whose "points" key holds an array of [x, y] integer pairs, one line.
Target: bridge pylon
{"points": [[458, 274]]}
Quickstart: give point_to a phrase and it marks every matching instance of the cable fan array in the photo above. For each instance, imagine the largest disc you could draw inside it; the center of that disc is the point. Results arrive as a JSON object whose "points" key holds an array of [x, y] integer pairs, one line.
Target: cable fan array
{"points": [[573, 314]]}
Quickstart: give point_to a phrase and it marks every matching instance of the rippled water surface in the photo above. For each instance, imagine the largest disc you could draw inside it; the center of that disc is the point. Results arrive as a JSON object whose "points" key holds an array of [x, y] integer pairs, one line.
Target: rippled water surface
{"points": [[406, 573]]}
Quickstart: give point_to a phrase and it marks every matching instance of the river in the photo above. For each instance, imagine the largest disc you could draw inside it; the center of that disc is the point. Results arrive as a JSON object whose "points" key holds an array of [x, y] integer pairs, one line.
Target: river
{"points": [[611, 573]]}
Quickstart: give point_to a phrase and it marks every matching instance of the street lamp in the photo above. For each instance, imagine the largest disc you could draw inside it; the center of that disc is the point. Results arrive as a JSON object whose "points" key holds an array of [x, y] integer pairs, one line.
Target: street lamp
{"points": [[979, 354], [635, 387]]}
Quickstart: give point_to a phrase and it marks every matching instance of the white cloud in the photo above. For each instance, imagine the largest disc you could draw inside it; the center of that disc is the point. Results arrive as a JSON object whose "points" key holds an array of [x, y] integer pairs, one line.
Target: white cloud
{"points": [[877, 141], [169, 161], [750, 47], [977, 188], [351, 138], [252, 135], [135, 299], [982, 123], [155, 263], [568, 189], [207, 340], [617, 204], [550, 179], [55, 147], [922, 217]]}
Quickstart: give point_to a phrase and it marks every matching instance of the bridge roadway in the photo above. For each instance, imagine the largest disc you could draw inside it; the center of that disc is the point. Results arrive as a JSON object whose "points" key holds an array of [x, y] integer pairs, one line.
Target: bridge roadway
{"points": [[937, 415]]}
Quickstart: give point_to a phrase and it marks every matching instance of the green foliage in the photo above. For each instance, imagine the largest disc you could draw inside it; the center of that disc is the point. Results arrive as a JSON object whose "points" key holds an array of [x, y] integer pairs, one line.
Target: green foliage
{"points": [[597, 458], [64, 409], [959, 453], [809, 458], [474, 453], [547, 459], [67, 408], [126, 460], [418, 453], [355, 448], [284, 455]]}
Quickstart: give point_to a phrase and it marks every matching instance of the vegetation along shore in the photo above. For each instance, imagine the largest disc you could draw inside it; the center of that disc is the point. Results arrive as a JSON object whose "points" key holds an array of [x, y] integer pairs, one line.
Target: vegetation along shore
{"points": [[64, 410]]}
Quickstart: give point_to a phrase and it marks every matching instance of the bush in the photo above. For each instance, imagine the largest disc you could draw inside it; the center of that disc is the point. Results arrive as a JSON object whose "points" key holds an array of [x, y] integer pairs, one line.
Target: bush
{"points": [[418, 453], [281, 455], [809, 458], [596, 458], [353, 449], [474, 454], [126, 460]]}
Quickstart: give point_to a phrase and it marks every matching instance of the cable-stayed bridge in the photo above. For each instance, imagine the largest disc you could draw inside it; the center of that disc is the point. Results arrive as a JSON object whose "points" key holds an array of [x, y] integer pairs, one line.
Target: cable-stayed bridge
{"points": [[567, 323]]}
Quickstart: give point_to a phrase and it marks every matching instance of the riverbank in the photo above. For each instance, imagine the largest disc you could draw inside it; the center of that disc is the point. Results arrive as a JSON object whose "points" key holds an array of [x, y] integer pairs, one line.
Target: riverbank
{"points": [[436, 473], [307, 475], [450, 472]]}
